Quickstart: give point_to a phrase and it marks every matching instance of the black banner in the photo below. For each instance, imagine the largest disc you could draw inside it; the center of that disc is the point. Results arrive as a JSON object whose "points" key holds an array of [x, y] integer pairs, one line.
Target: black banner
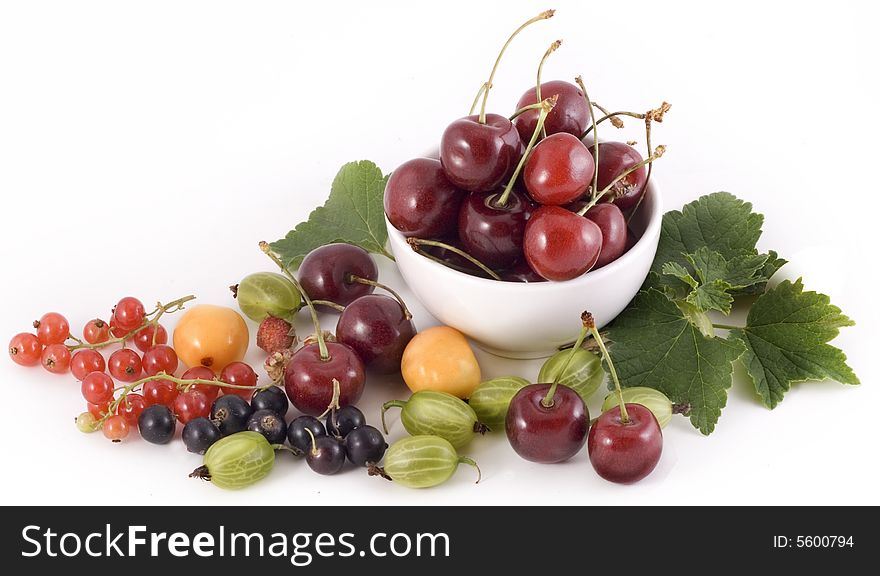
{"points": [[237, 540]]}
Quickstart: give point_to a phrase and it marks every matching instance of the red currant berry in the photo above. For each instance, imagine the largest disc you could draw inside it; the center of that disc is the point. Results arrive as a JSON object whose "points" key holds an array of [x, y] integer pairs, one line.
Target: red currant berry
{"points": [[98, 410], [203, 373], [96, 331], [144, 338], [239, 374], [25, 349], [190, 405], [131, 407], [115, 428], [125, 365], [129, 313], [56, 358], [160, 358], [52, 328], [84, 362], [160, 392], [97, 388]]}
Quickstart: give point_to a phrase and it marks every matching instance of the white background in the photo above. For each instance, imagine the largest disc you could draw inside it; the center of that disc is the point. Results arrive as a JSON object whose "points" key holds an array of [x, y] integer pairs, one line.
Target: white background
{"points": [[145, 149]]}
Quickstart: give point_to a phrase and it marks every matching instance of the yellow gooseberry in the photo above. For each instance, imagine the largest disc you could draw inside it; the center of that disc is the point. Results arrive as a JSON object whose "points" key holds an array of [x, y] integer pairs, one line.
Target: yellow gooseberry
{"points": [[440, 359], [211, 336]]}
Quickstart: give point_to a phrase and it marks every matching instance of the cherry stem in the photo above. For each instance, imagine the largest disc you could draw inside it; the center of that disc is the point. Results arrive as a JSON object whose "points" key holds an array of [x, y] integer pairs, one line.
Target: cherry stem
{"points": [[525, 109], [350, 278], [466, 460], [322, 345], [329, 304], [589, 322], [657, 154], [615, 121], [477, 98], [388, 405], [314, 445], [650, 170], [334, 401], [547, 402], [553, 47], [580, 82], [546, 106], [416, 242], [488, 85], [151, 319]]}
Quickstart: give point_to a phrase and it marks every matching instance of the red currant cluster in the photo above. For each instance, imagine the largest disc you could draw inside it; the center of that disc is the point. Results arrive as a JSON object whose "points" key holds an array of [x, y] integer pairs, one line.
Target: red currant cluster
{"points": [[531, 197], [147, 378]]}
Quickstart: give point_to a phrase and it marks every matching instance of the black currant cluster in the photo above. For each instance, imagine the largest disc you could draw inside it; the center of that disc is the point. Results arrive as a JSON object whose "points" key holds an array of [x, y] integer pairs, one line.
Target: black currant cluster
{"points": [[325, 445]]}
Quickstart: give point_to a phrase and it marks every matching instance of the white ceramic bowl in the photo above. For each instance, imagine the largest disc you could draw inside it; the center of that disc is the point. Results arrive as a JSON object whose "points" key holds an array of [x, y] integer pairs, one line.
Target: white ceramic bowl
{"points": [[531, 320]]}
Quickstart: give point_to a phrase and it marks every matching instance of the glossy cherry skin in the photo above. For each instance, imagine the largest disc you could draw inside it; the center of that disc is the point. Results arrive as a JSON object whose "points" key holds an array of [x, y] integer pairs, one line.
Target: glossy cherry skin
{"points": [[521, 272], [614, 159], [560, 245], [559, 170], [480, 157], [324, 273], [308, 380], [492, 234], [625, 453], [421, 201], [547, 435], [375, 327], [611, 222], [571, 113]]}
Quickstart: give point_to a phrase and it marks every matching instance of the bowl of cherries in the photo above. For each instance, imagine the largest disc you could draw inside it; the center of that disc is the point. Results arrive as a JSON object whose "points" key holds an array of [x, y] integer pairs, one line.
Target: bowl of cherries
{"points": [[521, 221]]}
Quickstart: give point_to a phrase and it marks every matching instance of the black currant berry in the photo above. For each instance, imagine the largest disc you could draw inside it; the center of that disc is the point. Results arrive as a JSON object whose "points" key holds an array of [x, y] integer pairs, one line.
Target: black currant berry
{"points": [[274, 399], [297, 436], [269, 424], [365, 446], [230, 413], [199, 434], [157, 424]]}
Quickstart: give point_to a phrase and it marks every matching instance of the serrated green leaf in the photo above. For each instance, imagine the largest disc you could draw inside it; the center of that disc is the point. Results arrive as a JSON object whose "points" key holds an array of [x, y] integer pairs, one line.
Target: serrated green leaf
{"points": [[712, 296], [655, 345], [786, 338], [354, 213], [744, 271], [677, 270], [771, 266], [720, 222]]}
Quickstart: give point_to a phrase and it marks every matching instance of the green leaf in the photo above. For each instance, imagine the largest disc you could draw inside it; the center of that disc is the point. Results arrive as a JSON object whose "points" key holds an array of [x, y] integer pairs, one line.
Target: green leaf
{"points": [[655, 345], [771, 266], [786, 338], [712, 296], [353, 213], [720, 222], [680, 272]]}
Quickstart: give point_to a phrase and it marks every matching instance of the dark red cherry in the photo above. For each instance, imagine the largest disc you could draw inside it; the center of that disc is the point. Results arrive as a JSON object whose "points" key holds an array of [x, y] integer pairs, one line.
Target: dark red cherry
{"points": [[571, 113], [377, 329], [521, 272], [610, 220], [547, 434], [559, 170], [494, 234], [420, 201], [560, 245], [625, 452], [614, 159], [308, 379], [480, 157], [324, 273]]}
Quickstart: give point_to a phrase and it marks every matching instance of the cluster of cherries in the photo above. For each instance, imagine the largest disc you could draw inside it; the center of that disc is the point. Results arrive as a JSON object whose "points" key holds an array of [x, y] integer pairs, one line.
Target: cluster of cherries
{"points": [[371, 333], [524, 198]]}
